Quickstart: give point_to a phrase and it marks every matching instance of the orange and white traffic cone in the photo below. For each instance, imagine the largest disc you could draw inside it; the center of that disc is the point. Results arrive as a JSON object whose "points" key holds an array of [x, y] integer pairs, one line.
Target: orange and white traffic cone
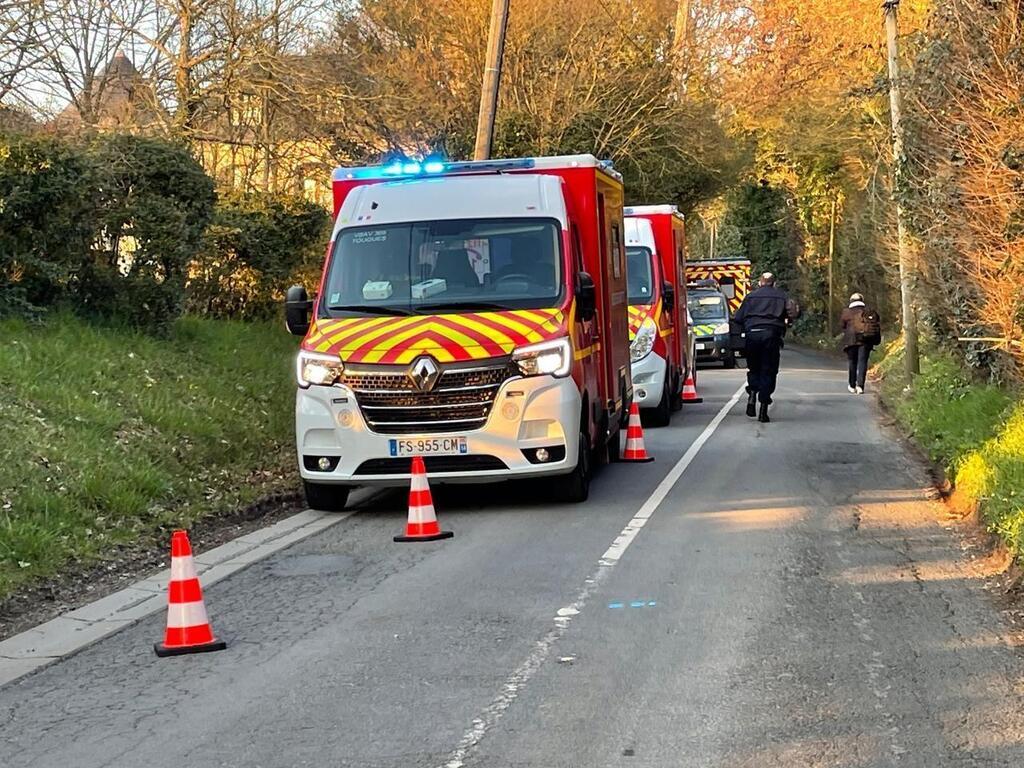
{"points": [[188, 629], [422, 524], [635, 450], [690, 391]]}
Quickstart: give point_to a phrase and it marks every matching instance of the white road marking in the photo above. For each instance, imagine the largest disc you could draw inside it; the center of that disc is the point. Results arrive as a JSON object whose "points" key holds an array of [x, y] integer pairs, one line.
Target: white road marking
{"points": [[515, 682]]}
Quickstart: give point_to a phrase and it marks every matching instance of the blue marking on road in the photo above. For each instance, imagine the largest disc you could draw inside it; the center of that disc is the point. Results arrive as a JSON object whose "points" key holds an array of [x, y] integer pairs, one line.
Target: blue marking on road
{"points": [[652, 603], [638, 604], [615, 605]]}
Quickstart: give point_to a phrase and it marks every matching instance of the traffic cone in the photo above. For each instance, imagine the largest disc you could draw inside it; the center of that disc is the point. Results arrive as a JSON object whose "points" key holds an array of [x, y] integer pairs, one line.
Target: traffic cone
{"points": [[422, 524], [635, 450], [188, 629], [690, 391]]}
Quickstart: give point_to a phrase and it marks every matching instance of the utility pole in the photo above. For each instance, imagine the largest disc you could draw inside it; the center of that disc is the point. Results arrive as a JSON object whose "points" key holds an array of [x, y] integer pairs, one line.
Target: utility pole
{"points": [[913, 363], [681, 39], [831, 258], [491, 80], [682, 27]]}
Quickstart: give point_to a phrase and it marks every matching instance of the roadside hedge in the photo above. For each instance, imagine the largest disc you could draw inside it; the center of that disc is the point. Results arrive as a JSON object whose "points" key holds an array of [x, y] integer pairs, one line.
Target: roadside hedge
{"points": [[129, 229], [256, 245]]}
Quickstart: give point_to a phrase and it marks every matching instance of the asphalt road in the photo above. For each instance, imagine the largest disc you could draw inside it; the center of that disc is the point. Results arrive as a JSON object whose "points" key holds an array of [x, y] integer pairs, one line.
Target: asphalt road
{"points": [[789, 601]]}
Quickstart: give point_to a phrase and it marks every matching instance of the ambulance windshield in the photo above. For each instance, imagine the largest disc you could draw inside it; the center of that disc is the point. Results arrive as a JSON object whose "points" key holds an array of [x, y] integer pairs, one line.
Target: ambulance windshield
{"points": [[639, 273], [461, 265]]}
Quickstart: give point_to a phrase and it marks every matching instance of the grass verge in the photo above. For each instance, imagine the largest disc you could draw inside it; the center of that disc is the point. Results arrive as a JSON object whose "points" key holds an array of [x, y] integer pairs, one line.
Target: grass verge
{"points": [[974, 430], [109, 437]]}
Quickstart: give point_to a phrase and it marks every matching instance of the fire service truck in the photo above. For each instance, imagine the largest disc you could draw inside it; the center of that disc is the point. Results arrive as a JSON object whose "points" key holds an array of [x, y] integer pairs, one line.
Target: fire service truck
{"points": [[732, 276], [718, 287], [660, 347], [471, 313]]}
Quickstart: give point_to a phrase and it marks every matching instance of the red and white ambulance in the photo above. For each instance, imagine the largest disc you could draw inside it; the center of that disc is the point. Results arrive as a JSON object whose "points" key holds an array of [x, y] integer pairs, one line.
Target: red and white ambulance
{"points": [[661, 348], [472, 313]]}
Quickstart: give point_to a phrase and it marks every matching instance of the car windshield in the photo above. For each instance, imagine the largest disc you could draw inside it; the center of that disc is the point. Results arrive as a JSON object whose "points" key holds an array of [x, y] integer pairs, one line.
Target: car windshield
{"points": [[639, 269], [707, 307], [461, 265]]}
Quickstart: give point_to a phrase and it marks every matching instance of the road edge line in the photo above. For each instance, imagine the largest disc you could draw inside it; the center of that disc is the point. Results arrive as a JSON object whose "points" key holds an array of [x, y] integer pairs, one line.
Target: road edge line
{"points": [[521, 675]]}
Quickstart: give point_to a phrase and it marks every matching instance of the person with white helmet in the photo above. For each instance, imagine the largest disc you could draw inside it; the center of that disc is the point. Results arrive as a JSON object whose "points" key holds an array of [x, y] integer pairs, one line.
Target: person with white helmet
{"points": [[862, 332]]}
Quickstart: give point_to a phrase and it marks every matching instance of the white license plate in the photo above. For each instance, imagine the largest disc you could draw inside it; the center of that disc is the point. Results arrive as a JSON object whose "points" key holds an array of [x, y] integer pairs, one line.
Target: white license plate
{"points": [[427, 446], [702, 346]]}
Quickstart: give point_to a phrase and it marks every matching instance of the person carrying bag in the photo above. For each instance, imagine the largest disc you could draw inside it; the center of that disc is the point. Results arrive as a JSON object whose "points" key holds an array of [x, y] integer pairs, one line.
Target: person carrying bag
{"points": [[861, 326]]}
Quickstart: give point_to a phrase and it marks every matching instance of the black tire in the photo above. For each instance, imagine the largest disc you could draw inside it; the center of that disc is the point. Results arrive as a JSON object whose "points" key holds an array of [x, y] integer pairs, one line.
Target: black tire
{"points": [[326, 498], [574, 488], [661, 415], [676, 400], [730, 360]]}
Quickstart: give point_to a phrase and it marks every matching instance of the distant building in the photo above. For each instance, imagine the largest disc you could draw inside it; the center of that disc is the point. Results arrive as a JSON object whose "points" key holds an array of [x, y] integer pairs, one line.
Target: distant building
{"points": [[274, 130], [118, 99], [14, 120]]}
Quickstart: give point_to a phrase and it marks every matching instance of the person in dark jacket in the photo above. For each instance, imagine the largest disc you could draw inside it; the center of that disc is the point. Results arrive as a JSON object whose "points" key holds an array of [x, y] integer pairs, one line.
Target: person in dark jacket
{"points": [[856, 345], [762, 315]]}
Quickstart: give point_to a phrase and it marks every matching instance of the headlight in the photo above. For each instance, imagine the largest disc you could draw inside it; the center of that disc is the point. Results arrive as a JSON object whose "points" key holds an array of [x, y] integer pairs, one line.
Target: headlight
{"points": [[722, 328], [643, 342], [316, 368], [548, 357]]}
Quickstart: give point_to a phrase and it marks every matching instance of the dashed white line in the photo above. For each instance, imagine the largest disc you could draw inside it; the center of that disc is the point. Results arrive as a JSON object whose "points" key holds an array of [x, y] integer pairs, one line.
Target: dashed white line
{"points": [[542, 648]]}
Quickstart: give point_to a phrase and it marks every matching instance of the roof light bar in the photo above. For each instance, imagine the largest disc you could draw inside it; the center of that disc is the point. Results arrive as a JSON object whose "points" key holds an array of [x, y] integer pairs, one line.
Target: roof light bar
{"points": [[412, 168]]}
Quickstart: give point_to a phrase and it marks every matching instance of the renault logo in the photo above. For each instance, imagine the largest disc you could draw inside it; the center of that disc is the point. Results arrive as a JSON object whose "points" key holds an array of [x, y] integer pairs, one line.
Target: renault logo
{"points": [[424, 373]]}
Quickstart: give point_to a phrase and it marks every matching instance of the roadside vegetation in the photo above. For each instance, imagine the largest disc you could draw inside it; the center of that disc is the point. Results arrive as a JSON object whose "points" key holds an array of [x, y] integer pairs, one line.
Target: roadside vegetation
{"points": [[109, 436], [973, 429]]}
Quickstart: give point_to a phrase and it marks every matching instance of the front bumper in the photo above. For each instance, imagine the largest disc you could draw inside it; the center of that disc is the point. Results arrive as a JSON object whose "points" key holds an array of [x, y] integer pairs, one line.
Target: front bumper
{"points": [[649, 380], [713, 347], [531, 412]]}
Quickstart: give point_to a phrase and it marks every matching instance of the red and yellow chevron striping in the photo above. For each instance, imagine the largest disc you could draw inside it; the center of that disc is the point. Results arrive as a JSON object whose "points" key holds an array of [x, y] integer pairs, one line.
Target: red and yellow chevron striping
{"points": [[448, 338], [637, 314]]}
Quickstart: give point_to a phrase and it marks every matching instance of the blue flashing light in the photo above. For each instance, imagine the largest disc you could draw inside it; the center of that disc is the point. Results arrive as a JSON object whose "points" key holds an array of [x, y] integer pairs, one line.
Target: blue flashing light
{"points": [[402, 168]]}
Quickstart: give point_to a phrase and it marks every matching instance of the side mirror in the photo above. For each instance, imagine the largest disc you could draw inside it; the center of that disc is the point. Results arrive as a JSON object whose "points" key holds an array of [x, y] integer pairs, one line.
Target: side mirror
{"points": [[668, 293], [586, 296], [297, 307]]}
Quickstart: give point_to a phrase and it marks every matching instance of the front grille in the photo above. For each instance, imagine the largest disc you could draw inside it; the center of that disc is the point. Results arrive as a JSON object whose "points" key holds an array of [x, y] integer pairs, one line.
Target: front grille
{"points": [[436, 464], [460, 401]]}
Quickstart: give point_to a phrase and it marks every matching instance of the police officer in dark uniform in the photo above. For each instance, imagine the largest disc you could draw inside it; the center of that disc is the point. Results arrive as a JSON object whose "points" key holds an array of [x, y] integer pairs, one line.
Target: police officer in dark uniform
{"points": [[762, 315]]}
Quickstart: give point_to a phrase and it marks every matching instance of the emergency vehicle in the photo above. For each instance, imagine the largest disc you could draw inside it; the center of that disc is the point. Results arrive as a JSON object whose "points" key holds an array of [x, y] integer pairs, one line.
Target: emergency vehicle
{"points": [[710, 312], [660, 351], [472, 313], [732, 276]]}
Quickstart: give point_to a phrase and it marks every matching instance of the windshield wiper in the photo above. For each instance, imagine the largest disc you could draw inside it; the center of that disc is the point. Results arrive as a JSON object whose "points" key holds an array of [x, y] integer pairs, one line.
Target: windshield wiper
{"points": [[369, 310], [480, 305]]}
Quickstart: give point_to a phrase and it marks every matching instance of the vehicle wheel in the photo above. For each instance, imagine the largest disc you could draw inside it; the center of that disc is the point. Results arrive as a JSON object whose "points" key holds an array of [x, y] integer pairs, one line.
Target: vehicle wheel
{"points": [[662, 414], [575, 487], [730, 360], [676, 400], [326, 498]]}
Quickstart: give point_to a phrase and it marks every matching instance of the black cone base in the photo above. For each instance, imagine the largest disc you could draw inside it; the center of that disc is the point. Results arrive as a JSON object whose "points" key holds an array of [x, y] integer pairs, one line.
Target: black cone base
{"points": [[180, 650], [648, 460], [433, 537], [693, 400]]}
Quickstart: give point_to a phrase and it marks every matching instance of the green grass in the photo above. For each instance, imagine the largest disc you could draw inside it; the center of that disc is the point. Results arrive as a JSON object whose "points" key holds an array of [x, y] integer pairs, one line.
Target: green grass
{"points": [[974, 430], [109, 436]]}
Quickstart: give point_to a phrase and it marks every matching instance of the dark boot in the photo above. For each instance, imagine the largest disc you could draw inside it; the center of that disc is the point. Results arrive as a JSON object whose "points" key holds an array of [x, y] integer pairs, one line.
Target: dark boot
{"points": [[752, 404], [763, 415]]}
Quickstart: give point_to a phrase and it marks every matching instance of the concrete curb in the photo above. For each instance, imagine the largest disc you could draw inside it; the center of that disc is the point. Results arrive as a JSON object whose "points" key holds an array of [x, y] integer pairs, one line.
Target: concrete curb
{"points": [[72, 631]]}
